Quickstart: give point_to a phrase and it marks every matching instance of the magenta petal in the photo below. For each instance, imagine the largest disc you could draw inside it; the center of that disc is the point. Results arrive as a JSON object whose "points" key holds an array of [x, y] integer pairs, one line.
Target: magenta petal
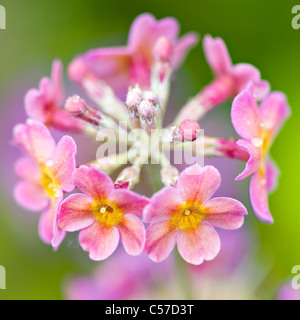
{"points": [[243, 73], [198, 185], [217, 55], [35, 139], [182, 47], [27, 169], [254, 161], [35, 105], [163, 205], [272, 173], [202, 243], [93, 182], [75, 213], [274, 111], [225, 213], [145, 30], [129, 201], [64, 163], [160, 241], [99, 241], [259, 197], [244, 114], [133, 234], [57, 82], [31, 196]]}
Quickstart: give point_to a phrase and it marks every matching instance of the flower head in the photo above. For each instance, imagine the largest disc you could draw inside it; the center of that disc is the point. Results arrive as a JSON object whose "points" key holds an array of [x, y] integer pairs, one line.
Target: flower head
{"points": [[122, 67], [44, 104], [103, 214], [187, 215], [237, 75], [259, 126], [45, 173]]}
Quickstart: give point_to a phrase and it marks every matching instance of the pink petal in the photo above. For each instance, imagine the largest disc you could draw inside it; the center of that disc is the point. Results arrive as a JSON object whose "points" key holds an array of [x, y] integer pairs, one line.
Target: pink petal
{"points": [[163, 204], [35, 139], [225, 213], [272, 173], [62, 120], [145, 30], [198, 185], [160, 241], [57, 82], [182, 47], [244, 114], [133, 234], [274, 111], [35, 105], [31, 196], [217, 55], [202, 243], [243, 73], [49, 231], [64, 163], [75, 213], [129, 201], [99, 241], [259, 197], [254, 161], [27, 169], [93, 182]]}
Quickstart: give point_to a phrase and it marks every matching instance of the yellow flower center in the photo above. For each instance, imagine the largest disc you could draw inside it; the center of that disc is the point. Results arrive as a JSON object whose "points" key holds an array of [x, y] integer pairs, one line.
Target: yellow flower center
{"points": [[48, 182], [188, 216], [106, 213]]}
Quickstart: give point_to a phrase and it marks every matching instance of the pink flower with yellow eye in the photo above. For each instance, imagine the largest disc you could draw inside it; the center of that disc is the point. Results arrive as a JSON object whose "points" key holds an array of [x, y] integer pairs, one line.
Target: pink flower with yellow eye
{"points": [[259, 126], [121, 67], [45, 173], [44, 104], [187, 215], [103, 214]]}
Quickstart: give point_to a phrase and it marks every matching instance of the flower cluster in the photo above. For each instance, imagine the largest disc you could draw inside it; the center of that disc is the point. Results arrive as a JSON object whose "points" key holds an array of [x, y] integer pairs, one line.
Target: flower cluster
{"points": [[129, 88]]}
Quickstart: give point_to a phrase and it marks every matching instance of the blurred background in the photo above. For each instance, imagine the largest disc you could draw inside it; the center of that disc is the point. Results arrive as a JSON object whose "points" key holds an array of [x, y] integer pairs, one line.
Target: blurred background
{"points": [[258, 32]]}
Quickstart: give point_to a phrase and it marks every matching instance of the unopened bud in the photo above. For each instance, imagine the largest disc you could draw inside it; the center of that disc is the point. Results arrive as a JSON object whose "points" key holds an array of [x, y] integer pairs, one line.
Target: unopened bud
{"points": [[189, 130], [77, 70], [163, 49]]}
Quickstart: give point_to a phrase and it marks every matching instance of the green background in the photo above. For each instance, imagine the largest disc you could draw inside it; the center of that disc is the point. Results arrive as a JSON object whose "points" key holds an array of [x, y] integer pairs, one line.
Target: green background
{"points": [[258, 32]]}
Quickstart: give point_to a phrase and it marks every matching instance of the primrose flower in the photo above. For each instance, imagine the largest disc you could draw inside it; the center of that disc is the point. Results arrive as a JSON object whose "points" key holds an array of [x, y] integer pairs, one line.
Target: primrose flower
{"points": [[259, 126], [229, 81], [45, 173], [187, 215], [121, 67], [103, 214], [44, 104]]}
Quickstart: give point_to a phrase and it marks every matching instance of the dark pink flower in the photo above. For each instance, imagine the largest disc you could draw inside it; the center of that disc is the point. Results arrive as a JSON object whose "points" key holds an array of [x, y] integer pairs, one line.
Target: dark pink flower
{"points": [[44, 104], [45, 173], [103, 214], [121, 67], [188, 214], [259, 126]]}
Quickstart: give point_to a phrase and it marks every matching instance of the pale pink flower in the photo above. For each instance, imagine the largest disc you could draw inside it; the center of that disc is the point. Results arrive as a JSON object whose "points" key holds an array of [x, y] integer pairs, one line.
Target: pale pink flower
{"points": [[287, 292], [234, 77], [45, 104], [187, 215], [45, 173], [259, 126], [121, 67], [103, 214]]}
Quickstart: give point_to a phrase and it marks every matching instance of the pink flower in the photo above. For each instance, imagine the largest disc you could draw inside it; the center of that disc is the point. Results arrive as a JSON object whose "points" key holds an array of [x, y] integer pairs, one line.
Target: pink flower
{"points": [[286, 292], [45, 173], [234, 77], [259, 127], [187, 215], [103, 214], [121, 67], [44, 104]]}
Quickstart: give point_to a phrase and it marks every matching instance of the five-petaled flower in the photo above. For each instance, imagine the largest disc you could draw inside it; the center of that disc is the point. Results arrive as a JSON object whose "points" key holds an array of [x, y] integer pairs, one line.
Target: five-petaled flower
{"points": [[259, 126], [44, 104], [45, 172], [187, 215], [121, 67], [103, 214]]}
